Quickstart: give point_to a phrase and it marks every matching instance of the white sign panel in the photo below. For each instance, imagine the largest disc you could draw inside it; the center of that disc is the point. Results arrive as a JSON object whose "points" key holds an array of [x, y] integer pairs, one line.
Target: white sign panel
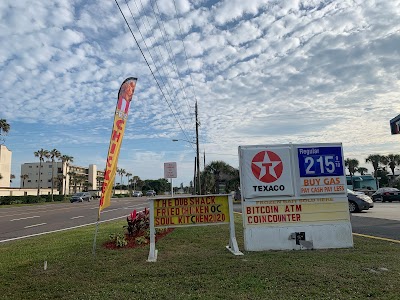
{"points": [[294, 197], [170, 170], [265, 171]]}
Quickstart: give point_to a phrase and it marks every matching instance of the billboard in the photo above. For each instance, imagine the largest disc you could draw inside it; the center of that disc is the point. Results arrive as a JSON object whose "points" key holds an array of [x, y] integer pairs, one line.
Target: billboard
{"points": [[395, 125]]}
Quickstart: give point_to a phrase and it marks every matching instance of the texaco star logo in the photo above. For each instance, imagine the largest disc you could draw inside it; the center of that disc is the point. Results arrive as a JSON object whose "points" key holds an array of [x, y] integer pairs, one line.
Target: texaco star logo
{"points": [[267, 166]]}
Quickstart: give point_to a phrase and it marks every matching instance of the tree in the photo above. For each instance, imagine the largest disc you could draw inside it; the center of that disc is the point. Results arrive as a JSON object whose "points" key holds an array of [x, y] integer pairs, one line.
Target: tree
{"points": [[128, 175], [42, 154], [53, 155], [375, 160], [23, 177], [67, 160], [351, 164], [362, 170], [216, 172], [121, 172], [4, 127], [393, 160], [12, 176]]}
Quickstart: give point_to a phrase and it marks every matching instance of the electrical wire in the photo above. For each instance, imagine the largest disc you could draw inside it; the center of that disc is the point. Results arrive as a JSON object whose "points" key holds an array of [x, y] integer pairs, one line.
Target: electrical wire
{"points": [[152, 73]]}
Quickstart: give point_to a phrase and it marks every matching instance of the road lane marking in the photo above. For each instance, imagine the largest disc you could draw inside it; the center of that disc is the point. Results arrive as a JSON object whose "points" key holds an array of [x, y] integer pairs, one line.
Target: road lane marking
{"points": [[63, 229], [111, 210], [24, 218], [376, 238], [77, 217], [35, 225]]}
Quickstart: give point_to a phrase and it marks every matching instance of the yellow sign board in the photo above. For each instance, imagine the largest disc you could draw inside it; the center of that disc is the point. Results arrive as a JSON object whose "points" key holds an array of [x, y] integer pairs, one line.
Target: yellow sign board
{"points": [[199, 210], [300, 211]]}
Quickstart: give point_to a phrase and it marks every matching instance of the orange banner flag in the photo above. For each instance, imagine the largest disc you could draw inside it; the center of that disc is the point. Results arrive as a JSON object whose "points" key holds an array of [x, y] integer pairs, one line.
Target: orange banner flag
{"points": [[121, 116]]}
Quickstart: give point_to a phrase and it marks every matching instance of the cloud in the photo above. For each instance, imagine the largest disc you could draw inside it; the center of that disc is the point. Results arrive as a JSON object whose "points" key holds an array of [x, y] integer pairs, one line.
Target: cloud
{"points": [[261, 71]]}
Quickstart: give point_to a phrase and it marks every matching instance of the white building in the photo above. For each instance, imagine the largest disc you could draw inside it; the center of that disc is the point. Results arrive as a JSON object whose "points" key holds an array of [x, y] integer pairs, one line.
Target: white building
{"points": [[5, 166], [70, 179]]}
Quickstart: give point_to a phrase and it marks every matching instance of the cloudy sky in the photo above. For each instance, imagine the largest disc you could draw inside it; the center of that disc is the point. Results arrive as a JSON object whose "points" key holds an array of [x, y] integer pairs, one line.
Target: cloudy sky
{"points": [[262, 72]]}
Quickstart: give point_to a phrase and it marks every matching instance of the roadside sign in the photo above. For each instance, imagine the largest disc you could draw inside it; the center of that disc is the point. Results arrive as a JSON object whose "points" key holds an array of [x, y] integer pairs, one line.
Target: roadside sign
{"points": [[170, 170], [321, 170], [192, 211], [294, 197], [266, 171]]}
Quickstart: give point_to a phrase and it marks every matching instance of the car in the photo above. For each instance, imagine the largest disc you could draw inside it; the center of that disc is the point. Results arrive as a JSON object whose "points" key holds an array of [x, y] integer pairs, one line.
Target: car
{"points": [[137, 194], [386, 194], [358, 201], [82, 196], [151, 193]]}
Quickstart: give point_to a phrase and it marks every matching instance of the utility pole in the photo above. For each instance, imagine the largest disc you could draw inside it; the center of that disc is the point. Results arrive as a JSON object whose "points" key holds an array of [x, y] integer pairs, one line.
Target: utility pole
{"points": [[197, 151]]}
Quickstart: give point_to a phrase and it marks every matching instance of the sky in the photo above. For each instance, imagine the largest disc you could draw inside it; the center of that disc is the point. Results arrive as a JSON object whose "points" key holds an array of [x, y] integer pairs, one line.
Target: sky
{"points": [[262, 73]]}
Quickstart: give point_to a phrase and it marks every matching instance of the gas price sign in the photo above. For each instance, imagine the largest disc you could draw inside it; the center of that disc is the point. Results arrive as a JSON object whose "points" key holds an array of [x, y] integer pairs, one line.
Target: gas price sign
{"points": [[321, 170], [320, 161]]}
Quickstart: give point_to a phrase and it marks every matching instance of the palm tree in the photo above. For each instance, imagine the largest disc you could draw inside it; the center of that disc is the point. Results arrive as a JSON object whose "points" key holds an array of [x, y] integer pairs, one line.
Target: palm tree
{"points": [[375, 160], [216, 171], [351, 164], [12, 176], [23, 177], [362, 170], [121, 172], [128, 175], [4, 127], [67, 160], [53, 155], [42, 154], [393, 160]]}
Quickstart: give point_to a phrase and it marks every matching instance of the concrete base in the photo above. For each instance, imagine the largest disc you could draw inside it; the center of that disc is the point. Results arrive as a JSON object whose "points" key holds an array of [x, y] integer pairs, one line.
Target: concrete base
{"points": [[336, 235]]}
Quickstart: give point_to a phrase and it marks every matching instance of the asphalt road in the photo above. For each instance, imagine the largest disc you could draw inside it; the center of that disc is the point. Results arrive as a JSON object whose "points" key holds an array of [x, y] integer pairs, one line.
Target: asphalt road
{"points": [[33, 220], [25, 221]]}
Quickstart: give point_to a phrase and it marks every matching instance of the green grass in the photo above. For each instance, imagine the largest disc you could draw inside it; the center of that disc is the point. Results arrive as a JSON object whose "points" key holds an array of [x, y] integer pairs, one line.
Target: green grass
{"points": [[193, 264]]}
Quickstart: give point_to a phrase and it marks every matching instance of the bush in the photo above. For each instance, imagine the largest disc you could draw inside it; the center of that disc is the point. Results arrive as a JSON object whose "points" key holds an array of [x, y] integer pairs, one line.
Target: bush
{"points": [[138, 222], [118, 239]]}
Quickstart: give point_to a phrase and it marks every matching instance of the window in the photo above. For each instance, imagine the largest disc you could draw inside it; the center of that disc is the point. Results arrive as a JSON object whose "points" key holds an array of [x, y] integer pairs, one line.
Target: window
{"points": [[30, 167], [30, 180], [49, 173], [50, 166]]}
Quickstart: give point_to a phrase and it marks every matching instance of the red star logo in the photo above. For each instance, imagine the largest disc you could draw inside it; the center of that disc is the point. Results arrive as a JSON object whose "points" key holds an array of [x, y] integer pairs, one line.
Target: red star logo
{"points": [[267, 166]]}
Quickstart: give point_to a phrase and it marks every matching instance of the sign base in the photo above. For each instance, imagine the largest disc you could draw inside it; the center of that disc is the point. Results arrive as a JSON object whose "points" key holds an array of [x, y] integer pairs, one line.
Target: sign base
{"points": [[325, 236]]}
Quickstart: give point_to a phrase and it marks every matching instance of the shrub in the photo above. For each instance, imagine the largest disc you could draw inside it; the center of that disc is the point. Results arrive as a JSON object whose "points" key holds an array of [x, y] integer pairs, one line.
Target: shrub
{"points": [[118, 239], [138, 222]]}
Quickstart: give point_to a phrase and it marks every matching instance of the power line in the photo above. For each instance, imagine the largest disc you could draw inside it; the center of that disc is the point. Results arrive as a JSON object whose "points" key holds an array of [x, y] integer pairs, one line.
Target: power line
{"points": [[152, 73]]}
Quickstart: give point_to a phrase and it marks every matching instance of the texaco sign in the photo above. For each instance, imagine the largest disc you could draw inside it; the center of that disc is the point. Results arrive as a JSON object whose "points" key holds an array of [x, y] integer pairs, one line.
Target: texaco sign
{"points": [[267, 172]]}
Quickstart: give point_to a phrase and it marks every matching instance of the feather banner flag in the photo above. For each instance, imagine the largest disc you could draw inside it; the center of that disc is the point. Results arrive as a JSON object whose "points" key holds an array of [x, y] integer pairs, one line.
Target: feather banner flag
{"points": [[121, 116]]}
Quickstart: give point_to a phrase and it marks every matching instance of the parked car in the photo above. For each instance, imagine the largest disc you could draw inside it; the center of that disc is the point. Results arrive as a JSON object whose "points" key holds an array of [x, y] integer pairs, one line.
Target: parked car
{"points": [[82, 196], [151, 193], [386, 194], [137, 194], [358, 201]]}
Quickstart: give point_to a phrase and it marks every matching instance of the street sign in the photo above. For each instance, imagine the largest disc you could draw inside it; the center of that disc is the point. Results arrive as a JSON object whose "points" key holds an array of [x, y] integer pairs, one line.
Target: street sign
{"points": [[170, 170]]}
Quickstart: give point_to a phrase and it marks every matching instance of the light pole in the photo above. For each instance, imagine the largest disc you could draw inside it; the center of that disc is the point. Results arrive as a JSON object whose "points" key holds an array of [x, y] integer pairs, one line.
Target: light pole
{"points": [[197, 161]]}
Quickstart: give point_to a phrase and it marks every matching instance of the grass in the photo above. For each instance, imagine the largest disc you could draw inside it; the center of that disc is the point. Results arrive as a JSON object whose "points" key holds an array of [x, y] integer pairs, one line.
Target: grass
{"points": [[193, 264]]}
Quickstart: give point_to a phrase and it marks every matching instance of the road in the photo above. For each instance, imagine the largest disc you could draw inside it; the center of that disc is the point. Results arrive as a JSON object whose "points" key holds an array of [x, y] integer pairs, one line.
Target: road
{"points": [[25, 221]]}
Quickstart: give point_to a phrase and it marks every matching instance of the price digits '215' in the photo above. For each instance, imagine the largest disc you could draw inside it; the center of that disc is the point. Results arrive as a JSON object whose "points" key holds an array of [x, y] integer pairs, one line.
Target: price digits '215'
{"points": [[320, 163]]}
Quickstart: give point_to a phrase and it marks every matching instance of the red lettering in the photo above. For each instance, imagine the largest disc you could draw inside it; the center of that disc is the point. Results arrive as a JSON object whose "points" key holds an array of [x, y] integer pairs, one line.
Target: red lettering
{"points": [[116, 135], [119, 124]]}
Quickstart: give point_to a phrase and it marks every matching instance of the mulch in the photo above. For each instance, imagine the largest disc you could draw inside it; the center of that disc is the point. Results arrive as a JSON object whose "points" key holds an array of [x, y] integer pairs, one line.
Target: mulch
{"points": [[131, 240]]}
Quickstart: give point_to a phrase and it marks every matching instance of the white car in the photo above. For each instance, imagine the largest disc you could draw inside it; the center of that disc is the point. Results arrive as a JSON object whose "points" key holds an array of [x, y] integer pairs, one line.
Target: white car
{"points": [[137, 194]]}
